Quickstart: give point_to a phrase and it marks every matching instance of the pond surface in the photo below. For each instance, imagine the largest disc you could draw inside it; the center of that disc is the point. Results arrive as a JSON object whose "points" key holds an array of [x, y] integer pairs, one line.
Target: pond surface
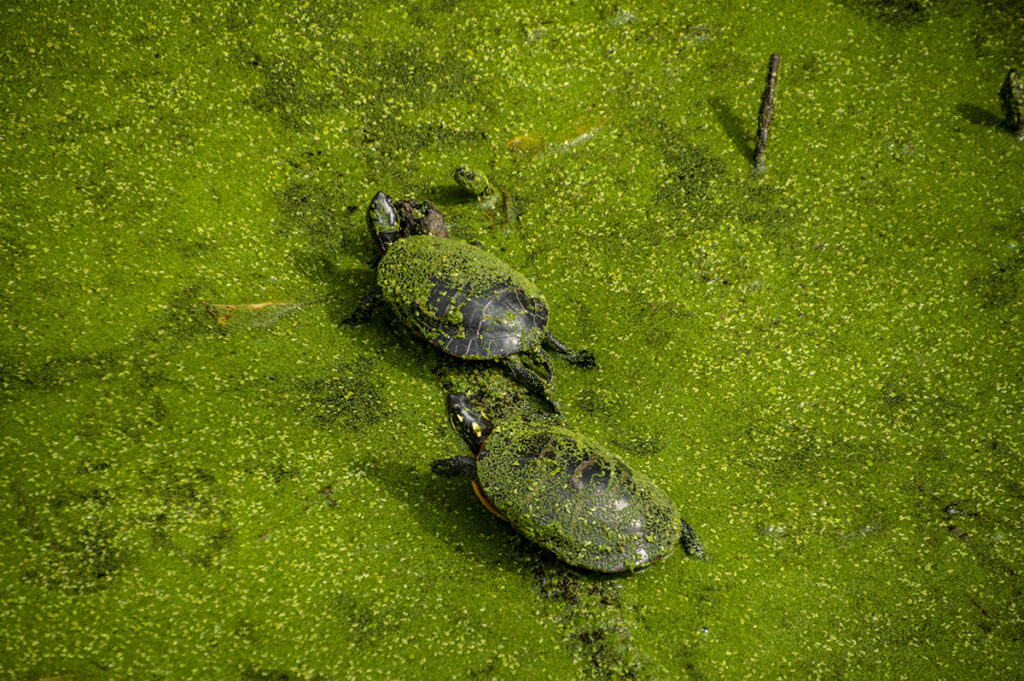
{"points": [[205, 474]]}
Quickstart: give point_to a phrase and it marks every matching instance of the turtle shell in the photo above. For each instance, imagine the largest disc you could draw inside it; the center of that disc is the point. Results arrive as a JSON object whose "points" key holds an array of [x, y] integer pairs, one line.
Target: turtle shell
{"points": [[461, 298], [572, 496]]}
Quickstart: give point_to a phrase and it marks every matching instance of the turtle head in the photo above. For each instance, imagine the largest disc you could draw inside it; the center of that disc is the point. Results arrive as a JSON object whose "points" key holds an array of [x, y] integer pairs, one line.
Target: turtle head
{"points": [[382, 220], [468, 420], [473, 182]]}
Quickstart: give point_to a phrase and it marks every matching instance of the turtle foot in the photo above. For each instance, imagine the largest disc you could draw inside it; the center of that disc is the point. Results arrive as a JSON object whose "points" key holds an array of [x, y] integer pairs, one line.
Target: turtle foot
{"points": [[584, 359]]}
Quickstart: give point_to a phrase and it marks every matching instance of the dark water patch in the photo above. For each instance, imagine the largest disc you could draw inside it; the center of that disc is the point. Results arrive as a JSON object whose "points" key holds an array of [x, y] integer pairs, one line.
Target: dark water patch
{"points": [[806, 68], [659, 322], [17, 375], [54, 372], [405, 77], [693, 173], [12, 247], [349, 397], [238, 15], [738, 129], [717, 269], [184, 316], [901, 398], [191, 248], [392, 141], [598, 401], [88, 466], [190, 520], [416, 73], [423, 14], [274, 468], [793, 453], [314, 207], [79, 537], [259, 674], [598, 615], [173, 486], [286, 93], [199, 543], [894, 395], [976, 115], [137, 355], [905, 397], [366, 625], [999, 287], [971, 516], [393, 136], [835, 523], [448, 510], [70, 668], [343, 287], [895, 13], [766, 207], [127, 405]]}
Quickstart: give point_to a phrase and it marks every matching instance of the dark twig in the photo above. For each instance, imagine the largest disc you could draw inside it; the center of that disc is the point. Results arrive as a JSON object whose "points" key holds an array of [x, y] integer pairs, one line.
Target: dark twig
{"points": [[1012, 94], [766, 113]]}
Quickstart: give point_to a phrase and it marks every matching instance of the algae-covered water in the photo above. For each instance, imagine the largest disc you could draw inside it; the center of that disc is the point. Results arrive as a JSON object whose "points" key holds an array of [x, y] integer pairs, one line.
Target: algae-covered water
{"points": [[821, 364]]}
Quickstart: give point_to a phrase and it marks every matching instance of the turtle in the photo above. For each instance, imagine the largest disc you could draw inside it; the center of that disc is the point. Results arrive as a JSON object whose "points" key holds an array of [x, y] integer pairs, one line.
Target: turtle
{"points": [[476, 183], [566, 492], [460, 298], [494, 202]]}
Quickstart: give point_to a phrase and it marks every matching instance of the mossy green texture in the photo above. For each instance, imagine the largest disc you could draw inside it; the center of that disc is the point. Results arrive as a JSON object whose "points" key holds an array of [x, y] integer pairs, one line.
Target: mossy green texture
{"points": [[820, 365], [461, 298], [576, 498]]}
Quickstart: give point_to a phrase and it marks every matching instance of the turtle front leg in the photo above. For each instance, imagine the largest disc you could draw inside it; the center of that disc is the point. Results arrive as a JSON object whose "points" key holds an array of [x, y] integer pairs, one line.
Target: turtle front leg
{"points": [[455, 467], [363, 310], [582, 358], [530, 381]]}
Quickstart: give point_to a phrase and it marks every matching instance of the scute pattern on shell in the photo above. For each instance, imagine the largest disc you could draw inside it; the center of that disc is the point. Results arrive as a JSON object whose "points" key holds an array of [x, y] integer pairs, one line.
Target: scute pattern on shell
{"points": [[461, 298], [574, 497]]}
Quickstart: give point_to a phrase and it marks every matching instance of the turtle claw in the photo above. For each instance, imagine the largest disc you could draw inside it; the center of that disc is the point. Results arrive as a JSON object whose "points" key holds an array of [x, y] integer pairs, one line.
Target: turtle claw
{"points": [[584, 359], [691, 543]]}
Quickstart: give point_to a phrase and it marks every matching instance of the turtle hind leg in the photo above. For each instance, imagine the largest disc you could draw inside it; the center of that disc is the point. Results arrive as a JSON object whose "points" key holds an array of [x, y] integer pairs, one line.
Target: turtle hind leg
{"points": [[691, 543], [455, 467], [545, 361], [583, 359], [530, 381], [363, 310]]}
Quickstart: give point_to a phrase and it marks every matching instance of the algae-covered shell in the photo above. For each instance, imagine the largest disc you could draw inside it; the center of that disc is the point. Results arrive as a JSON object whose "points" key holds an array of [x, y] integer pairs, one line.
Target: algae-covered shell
{"points": [[461, 298], [572, 496]]}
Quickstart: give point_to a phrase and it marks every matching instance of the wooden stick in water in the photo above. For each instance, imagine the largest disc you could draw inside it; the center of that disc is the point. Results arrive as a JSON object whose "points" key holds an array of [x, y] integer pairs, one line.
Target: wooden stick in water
{"points": [[766, 113]]}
